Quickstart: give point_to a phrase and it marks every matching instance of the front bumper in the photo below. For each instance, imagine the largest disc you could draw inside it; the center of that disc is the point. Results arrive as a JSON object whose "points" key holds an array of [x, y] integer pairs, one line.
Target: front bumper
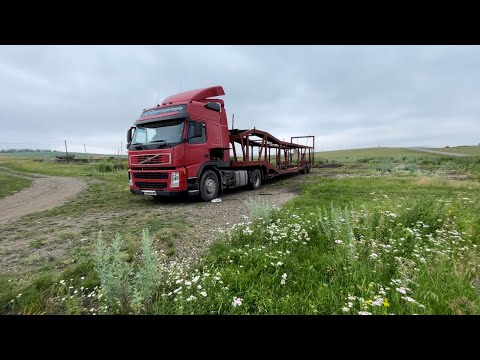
{"points": [[163, 193], [160, 182]]}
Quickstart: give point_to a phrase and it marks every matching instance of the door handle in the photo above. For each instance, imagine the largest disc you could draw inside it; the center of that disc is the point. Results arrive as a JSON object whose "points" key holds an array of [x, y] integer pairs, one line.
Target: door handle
{"points": [[207, 155]]}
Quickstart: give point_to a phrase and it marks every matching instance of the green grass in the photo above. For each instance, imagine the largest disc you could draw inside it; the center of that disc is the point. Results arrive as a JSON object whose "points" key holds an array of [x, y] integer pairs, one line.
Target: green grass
{"points": [[389, 217], [469, 150], [11, 184], [380, 152], [389, 235], [424, 240]]}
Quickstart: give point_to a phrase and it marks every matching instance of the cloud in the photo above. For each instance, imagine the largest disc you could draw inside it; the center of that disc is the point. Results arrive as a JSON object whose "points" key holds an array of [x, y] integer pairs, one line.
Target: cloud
{"points": [[347, 96]]}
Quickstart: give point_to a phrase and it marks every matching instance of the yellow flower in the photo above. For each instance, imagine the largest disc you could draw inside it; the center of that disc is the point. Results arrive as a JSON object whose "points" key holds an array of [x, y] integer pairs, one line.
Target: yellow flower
{"points": [[385, 302], [369, 302]]}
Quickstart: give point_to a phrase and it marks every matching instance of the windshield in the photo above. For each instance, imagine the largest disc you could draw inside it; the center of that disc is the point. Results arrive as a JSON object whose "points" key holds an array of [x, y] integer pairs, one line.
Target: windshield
{"points": [[168, 133]]}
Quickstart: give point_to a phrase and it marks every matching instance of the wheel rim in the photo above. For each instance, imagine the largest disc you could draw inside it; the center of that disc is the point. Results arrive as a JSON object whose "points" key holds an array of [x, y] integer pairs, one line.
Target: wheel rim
{"points": [[257, 180], [210, 186]]}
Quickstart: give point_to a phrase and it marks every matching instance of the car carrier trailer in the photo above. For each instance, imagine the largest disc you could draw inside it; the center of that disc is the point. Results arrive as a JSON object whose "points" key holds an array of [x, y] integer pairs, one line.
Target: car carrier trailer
{"points": [[183, 146]]}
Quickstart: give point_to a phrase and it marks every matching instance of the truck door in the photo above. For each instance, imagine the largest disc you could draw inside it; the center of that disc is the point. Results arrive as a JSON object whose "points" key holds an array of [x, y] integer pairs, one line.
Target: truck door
{"points": [[196, 151]]}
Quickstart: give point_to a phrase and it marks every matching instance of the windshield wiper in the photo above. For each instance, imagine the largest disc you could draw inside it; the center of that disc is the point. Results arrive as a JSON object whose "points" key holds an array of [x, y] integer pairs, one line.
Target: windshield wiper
{"points": [[159, 141]]}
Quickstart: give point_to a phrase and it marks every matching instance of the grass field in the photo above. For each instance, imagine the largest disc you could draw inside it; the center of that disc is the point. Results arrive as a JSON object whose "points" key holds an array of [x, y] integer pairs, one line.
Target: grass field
{"points": [[391, 231], [469, 150], [369, 153], [11, 184]]}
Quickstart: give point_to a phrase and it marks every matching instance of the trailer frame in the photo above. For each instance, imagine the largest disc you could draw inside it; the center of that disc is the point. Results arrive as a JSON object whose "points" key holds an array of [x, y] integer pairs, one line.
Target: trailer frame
{"points": [[284, 152]]}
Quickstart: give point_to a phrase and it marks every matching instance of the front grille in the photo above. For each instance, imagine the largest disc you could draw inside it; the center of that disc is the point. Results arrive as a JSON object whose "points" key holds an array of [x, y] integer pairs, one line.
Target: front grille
{"points": [[151, 185], [150, 175], [153, 159]]}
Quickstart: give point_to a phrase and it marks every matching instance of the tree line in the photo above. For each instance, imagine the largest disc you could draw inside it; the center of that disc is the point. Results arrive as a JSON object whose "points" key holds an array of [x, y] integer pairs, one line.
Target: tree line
{"points": [[27, 150]]}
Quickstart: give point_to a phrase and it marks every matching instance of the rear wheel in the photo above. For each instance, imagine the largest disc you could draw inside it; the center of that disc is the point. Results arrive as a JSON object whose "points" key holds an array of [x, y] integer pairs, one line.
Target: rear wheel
{"points": [[255, 179], [209, 185], [305, 170]]}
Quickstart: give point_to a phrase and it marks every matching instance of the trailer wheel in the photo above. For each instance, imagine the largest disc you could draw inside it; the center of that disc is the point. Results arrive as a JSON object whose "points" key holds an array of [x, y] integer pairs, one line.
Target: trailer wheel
{"points": [[255, 179], [305, 170], [209, 185]]}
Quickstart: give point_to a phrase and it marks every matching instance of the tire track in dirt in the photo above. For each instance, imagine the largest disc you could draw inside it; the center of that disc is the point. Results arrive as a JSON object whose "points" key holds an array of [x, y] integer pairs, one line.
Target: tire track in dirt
{"points": [[25, 245], [45, 192]]}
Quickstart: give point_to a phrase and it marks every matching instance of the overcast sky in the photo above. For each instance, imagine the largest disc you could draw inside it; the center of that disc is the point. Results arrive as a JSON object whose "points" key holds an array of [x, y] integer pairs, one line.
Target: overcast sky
{"points": [[347, 96]]}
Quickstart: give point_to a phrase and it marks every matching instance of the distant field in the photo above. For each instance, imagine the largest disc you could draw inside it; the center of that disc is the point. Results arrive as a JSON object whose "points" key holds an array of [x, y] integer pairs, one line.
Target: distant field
{"points": [[49, 155], [470, 150], [378, 152]]}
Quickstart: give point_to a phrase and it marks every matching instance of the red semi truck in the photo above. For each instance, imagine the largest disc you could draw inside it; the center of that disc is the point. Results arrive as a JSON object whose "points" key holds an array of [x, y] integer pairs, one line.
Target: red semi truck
{"points": [[183, 146]]}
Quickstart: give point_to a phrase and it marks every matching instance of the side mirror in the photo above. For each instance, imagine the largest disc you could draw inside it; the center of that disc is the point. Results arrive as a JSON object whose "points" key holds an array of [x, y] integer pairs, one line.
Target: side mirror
{"points": [[129, 136], [213, 106], [197, 129]]}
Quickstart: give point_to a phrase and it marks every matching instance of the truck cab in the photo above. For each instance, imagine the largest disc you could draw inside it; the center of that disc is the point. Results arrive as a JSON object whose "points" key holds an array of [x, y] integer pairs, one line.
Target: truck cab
{"points": [[172, 143]]}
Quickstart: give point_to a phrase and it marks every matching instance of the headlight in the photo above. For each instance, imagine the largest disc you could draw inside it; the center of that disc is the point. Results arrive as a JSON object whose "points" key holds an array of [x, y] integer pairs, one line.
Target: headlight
{"points": [[175, 179]]}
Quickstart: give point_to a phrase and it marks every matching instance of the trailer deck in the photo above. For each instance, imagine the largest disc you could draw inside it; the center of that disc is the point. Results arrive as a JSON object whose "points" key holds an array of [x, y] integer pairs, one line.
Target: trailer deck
{"points": [[278, 157]]}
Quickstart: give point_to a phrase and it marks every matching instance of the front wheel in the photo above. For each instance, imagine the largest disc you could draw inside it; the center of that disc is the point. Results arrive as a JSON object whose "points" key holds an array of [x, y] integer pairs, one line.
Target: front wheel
{"points": [[209, 185], [255, 179]]}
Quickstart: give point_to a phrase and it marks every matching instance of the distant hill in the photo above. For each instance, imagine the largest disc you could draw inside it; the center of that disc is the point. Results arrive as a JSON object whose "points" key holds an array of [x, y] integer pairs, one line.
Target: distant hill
{"points": [[376, 152], [352, 155]]}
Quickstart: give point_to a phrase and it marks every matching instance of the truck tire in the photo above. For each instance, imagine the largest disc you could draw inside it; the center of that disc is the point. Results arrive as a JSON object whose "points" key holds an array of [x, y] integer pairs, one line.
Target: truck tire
{"points": [[305, 170], [255, 179], [209, 185]]}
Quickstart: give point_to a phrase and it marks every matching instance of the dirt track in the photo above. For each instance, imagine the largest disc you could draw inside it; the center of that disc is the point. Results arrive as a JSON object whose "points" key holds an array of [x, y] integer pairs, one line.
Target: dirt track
{"points": [[26, 245], [46, 192]]}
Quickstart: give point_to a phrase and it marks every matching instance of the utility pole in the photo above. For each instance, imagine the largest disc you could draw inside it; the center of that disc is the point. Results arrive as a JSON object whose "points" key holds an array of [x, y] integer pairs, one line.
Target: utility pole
{"points": [[86, 155], [121, 145], [66, 150]]}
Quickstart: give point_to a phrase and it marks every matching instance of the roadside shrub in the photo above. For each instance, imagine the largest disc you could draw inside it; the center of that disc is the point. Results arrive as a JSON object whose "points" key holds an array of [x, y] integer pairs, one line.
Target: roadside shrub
{"points": [[433, 160], [321, 161], [106, 166], [409, 167], [385, 167], [260, 209], [128, 286], [365, 160]]}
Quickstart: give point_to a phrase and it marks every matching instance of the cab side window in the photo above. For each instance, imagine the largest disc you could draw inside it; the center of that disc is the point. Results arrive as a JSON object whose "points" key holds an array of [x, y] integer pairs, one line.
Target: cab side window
{"points": [[191, 133]]}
